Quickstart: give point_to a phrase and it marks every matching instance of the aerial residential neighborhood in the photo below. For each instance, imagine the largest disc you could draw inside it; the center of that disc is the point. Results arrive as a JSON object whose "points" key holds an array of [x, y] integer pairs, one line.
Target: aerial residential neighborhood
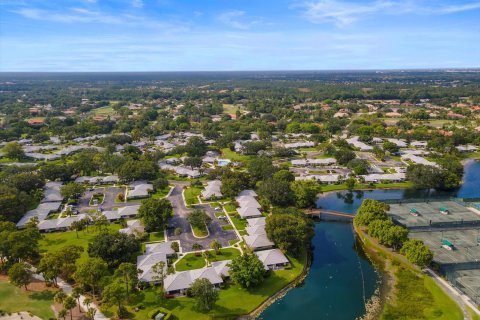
{"points": [[221, 160]]}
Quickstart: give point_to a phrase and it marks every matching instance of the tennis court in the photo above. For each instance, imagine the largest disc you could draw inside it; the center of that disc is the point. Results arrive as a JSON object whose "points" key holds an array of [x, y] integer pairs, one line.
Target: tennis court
{"points": [[434, 214], [468, 281], [465, 244]]}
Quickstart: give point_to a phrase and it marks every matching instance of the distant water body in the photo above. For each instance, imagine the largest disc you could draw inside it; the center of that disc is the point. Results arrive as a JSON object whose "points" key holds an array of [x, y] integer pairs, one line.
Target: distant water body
{"points": [[341, 277]]}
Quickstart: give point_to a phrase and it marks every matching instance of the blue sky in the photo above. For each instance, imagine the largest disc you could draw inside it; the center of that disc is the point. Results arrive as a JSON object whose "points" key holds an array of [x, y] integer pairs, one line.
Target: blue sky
{"points": [[181, 35]]}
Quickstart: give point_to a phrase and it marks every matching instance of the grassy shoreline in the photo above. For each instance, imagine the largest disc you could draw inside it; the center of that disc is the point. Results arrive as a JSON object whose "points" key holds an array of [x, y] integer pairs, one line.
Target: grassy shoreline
{"points": [[406, 293]]}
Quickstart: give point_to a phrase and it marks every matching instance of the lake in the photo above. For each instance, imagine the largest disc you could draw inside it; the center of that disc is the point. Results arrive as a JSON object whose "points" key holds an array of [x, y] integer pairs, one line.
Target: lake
{"points": [[341, 277]]}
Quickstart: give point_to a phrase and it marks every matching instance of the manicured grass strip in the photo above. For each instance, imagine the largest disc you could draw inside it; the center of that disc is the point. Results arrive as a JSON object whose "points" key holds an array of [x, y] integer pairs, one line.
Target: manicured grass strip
{"points": [[200, 232], [13, 299], [190, 261], [227, 227], [161, 193], [225, 254], [239, 223], [156, 236], [191, 195], [338, 187], [103, 111], [230, 207]]}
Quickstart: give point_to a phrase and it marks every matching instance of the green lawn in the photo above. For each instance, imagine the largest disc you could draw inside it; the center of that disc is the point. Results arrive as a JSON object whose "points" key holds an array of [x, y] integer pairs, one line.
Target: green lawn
{"points": [[52, 242], [473, 314], [156, 236], [418, 297], [232, 155], [200, 232], [103, 111], [230, 207], [225, 254], [13, 299], [161, 193], [231, 109], [239, 223], [189, 262], [227, 227], [191, 195], [233, 300], [338, 187], [474, 155]]}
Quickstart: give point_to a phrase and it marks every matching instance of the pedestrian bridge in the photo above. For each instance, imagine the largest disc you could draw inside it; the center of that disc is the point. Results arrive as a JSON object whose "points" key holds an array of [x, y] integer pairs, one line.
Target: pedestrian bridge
{"points": [[321, 212]]}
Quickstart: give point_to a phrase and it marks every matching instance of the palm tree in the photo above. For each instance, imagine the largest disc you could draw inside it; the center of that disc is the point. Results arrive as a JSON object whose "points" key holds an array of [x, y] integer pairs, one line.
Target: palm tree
{"points": [[62, 314], [91, 313], [87, 302], [59, 297], [76, 293], [69, 303], [215, 245]]}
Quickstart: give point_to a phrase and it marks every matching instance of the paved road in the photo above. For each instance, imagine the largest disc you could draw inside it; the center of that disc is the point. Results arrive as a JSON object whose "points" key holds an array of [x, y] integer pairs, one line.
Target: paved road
{"points": [[179, 220], [109, 201]]}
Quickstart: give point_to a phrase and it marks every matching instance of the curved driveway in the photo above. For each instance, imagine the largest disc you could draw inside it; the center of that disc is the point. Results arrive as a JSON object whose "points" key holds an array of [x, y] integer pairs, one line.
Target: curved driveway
{"points": [[179, 220]]}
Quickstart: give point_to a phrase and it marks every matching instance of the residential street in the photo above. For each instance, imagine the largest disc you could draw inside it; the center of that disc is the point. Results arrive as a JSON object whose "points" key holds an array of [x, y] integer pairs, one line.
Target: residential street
{"points": [[179, 220]]}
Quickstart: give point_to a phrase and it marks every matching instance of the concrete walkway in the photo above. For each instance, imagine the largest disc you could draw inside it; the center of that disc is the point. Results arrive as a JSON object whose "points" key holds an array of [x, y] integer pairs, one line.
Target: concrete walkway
{"points": [[65, 287], [461, 299]]}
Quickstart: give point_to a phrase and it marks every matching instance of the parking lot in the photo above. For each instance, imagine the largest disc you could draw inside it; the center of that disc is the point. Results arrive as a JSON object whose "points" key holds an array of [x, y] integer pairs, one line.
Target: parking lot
{"points": [[179, 220], [110, 194]]}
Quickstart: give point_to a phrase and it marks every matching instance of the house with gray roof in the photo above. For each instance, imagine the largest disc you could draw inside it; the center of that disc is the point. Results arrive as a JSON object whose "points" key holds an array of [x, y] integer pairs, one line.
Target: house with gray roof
{"points": [[122, 213], [134, 227], [212, 190], [256, 230], [146, 263], [51, 192], [253, 222], [258, 242], [273, 259], [139, 189], [179, 282]]}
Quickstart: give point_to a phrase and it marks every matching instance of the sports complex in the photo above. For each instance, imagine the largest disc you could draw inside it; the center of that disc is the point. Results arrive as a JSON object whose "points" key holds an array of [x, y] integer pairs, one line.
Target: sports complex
{"points": [[451, 229]]}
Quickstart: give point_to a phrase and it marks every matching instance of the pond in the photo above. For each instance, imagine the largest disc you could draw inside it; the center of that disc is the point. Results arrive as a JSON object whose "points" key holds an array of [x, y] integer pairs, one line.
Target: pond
{"points": [[341, 277]]}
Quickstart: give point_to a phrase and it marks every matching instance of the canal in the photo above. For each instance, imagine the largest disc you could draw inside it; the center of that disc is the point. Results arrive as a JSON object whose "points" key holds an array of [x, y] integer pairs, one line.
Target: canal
{"points": [[341, 278]]}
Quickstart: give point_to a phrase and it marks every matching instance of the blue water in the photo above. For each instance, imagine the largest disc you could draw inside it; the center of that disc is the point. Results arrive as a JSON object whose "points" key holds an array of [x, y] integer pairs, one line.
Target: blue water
{"points": [[340, 276]]}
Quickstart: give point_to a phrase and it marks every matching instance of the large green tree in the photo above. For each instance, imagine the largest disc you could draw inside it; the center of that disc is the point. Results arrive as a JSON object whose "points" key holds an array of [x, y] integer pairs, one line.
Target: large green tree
{"points": [[278, 192], [369, 211], [155, 214], [417, 252], [20, 275], [305, 193], [90, 272], [13, 150], [198, 218], [115, 294], [261, 168], [290, 232], [72, 190], [247, 270], [114, 247], [204, 294]]}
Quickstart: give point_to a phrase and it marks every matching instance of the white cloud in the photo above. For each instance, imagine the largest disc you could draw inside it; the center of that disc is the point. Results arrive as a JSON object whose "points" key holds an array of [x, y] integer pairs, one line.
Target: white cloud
{"points": [[461, 7], [137, 4], [342, 13], [237, 19]]}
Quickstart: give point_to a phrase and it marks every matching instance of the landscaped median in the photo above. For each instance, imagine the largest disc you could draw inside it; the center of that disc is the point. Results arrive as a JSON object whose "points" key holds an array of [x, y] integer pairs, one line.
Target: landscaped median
{"points": [[200, 232], [410, 293]]}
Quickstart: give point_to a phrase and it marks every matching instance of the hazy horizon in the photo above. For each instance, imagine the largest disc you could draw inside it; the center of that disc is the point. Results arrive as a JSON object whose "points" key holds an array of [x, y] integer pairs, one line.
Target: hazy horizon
{"points": [[237, 35]]}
